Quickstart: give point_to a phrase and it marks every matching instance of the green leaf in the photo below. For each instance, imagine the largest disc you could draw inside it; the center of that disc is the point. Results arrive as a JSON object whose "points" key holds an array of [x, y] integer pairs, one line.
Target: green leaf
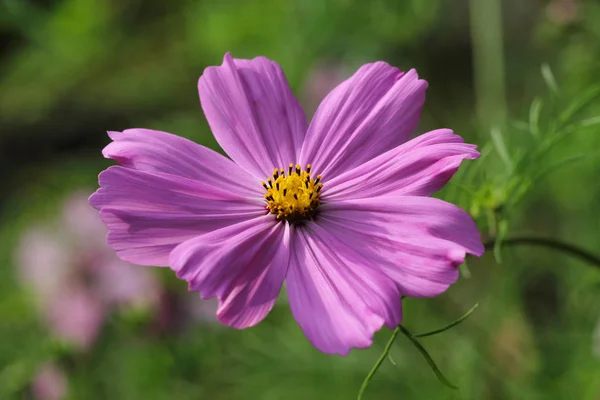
{"points": [[534, 117], [520, 125], [427, 357], [549, 78], [389, 357], [587, 122], [464, 270], [579, 104], [500, 147], [451, 325], [386, 352], [553, 167], [419, 346]]}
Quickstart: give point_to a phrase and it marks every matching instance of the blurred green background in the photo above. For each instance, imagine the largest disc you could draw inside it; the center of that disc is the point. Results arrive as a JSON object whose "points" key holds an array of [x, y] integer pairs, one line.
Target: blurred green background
{"points": [[72, 69]]}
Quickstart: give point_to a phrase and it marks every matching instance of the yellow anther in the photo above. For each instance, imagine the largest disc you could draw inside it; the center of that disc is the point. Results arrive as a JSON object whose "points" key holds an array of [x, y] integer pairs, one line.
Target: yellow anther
{"points": [[294, 197]]}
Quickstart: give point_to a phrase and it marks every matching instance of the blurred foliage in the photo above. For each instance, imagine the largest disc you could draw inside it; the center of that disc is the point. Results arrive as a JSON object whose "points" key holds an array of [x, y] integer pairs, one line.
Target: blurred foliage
{"points": [[72, 69]]}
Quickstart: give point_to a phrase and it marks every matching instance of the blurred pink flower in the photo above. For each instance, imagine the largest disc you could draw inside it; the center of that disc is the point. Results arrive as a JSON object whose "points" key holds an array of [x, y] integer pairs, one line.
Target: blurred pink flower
{"points": [[76, 316], [125, 284], [178, 311], [76, 277], [44, 265], [50, 383], [320, 81], [563, 11]]}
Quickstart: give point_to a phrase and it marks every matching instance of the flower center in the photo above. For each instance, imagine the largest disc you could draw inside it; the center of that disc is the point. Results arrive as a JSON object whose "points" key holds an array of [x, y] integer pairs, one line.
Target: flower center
{"points": [[293, 197]]}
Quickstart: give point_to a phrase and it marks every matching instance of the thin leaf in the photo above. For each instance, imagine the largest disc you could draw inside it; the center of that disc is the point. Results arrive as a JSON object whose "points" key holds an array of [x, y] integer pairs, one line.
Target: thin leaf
{"points": [[391, 359], [553, 167], [465, 189], [464, 270], [451, 325], [521, 189], [428, 358], [500, 146], [518, 196], [549, 78], [378, 363], [588, 122], [579, 104], [520, 125], [502, 230], [534, 117]]}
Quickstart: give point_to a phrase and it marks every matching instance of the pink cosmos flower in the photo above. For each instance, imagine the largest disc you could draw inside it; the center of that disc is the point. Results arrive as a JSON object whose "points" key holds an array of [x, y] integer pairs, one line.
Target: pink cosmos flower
{"points": [[338, 209]]}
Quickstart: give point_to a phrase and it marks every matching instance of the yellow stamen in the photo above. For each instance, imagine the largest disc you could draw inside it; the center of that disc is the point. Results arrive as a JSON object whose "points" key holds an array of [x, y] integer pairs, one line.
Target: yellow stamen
{"points": [[294, 197]]}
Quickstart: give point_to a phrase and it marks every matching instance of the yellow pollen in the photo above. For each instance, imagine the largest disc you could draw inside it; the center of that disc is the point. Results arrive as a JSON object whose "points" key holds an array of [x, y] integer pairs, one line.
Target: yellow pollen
{"points": [[293, 197]]}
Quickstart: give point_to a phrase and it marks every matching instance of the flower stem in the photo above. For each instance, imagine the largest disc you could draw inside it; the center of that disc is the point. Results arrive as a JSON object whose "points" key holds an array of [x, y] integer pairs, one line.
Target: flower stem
{"points": [[555, 244], [488, 61], [380, 360]]}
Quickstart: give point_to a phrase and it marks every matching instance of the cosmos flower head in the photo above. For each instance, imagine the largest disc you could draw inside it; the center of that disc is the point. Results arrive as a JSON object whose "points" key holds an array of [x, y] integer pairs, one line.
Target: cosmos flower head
{"points": [[338, 209]]}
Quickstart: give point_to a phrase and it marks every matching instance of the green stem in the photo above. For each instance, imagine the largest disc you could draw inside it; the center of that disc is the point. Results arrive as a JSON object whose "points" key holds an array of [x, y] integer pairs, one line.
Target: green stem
{"points": [[555, 244], [382, 357], [488, 61]]}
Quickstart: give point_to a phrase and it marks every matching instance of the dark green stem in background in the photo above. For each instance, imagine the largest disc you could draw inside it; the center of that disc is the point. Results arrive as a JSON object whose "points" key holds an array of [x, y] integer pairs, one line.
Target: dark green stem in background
{"points": [[488, 61], [554, 244]]}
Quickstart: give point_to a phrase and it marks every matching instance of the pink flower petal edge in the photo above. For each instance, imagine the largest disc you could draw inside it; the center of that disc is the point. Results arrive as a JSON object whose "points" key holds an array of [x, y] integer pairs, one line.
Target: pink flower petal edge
{"points": [[337, 297], [253, 114], [371, 112], [243, 265]]}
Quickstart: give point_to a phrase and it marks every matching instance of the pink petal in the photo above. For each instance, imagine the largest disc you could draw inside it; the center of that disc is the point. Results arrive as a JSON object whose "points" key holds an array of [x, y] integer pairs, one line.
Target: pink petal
{"points": [[155, 151], [50, 383], [44, 263], [419, 167], [253, 114], [150, 213], [243, 265], [76, 316], [417, 241], [125, 284], [373, 111], [82, 225], [338, 298]]}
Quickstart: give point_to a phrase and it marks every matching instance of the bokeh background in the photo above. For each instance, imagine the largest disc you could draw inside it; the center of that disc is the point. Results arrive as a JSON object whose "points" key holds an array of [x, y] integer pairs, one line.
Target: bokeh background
{"points": [[77, 323]]}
